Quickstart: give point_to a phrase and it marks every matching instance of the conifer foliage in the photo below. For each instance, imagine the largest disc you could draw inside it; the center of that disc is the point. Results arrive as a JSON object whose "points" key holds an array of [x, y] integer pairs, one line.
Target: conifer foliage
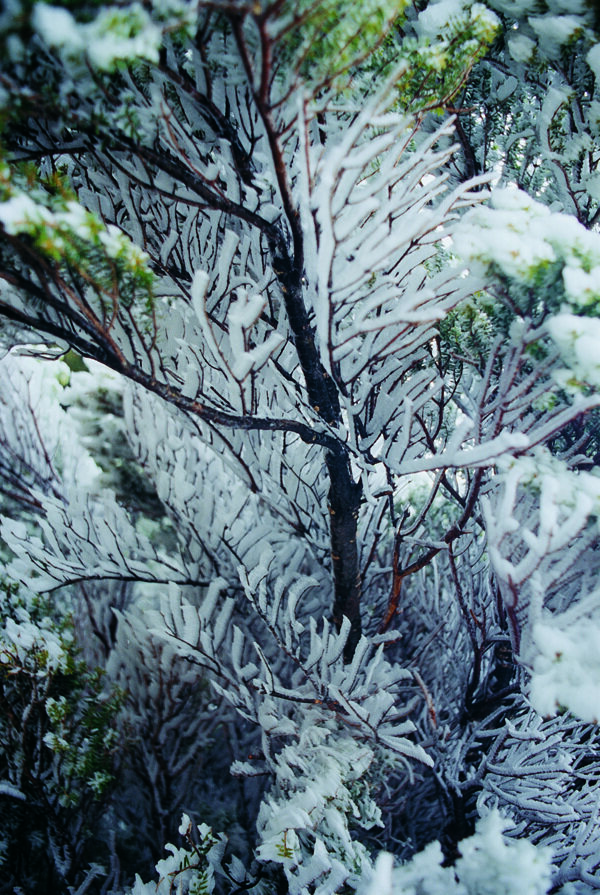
{"points": [[299, 397]]}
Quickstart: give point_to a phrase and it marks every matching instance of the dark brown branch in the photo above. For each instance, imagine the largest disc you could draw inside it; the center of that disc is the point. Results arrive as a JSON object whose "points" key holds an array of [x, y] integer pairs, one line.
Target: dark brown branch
{"points": [[214, 200], [472, 168], [400, 574], [344, 493], [105, 355], [344, 503], [222, 125]]}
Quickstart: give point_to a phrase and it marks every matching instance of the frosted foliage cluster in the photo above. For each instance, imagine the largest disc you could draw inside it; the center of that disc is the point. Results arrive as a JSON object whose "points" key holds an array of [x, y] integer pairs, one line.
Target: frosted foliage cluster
{"points": [[21, 214], [522, 221], [319, 804], [320, 775], [561, 646], [562, 490], [437, 16], [553, 26], [113, 36], [577, 339], [566, 668], [525, 241], [522, 237], [593, 59], [187, 871], [489, 864], [23, 640], [35, 394]]}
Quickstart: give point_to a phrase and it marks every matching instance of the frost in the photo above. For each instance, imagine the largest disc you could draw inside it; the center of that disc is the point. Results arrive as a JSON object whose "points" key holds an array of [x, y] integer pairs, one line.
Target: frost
{"points": [[243, 315], [593, 60], [521, 47], [99, 781], [581, 286], [577, 339], [57, 27], [55, 229], [522, 247], [26, 643], [592, 185], [489, 864], [13, 792], [18, 211], [320, 802], [115, 35], [118, 245], [187, 871], [184, 826], [522, 237], [353, 378], [437, 16], [554, 31], [570, 489], [566, 667]]}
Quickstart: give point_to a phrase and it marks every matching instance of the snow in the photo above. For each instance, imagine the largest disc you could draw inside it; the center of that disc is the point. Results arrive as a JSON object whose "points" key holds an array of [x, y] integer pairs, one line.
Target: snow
{"points": [[578, 340], [130, 35], [21, 642], [19, 210], [242, 316], [566, 668], [376, 213], [582, 287], [13, 792], [592, 184], [554, 31], [116, 34], [521, 47], [522, 238], [21, 214], [510, 234], [515, 8], [57, 27], [593, 60], [489, 864], [492, 865], [437, 16], [118, 245]]}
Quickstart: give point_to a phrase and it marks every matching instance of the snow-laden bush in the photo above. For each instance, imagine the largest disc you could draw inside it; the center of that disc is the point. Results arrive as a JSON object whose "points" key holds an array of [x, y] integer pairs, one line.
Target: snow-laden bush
{"points": [[299, 444]]}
